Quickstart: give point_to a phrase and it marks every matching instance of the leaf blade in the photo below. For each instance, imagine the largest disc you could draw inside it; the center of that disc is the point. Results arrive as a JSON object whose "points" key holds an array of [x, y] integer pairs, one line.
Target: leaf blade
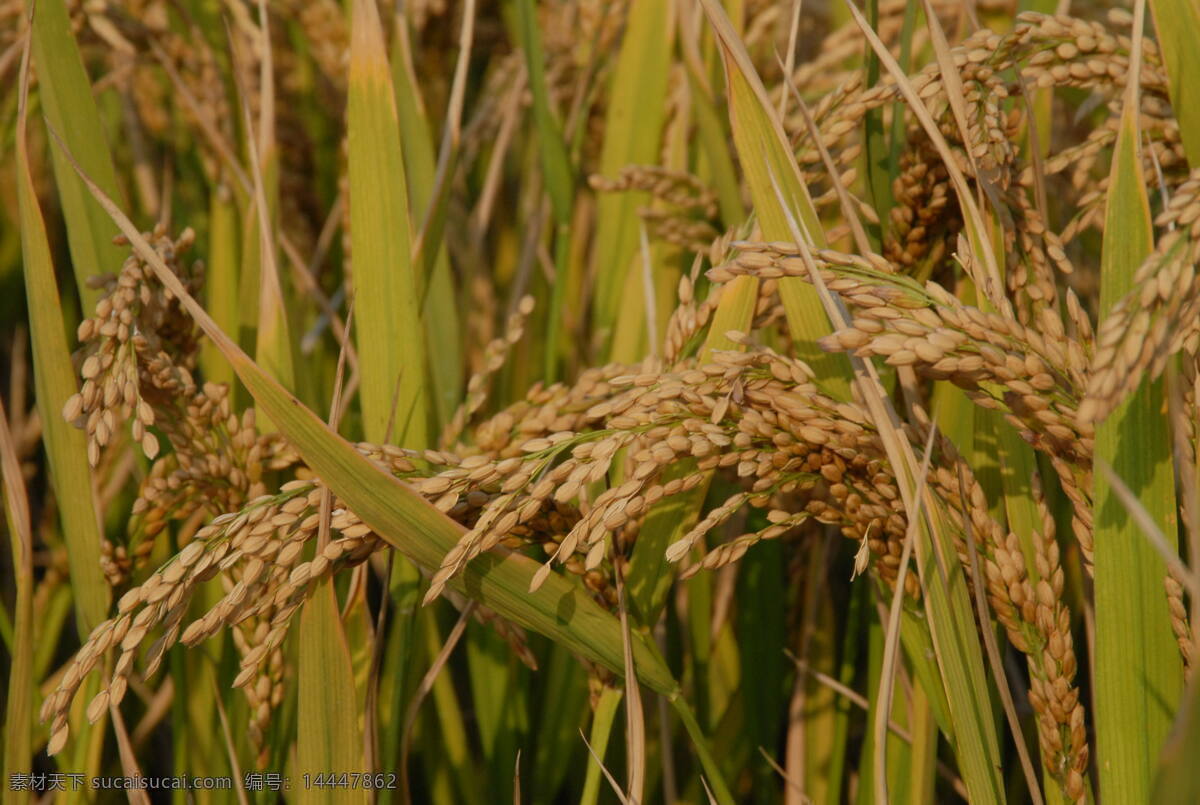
{"points": [[632, 131], [1138, 670], [388, 333], [66, 96], [54, 384]]}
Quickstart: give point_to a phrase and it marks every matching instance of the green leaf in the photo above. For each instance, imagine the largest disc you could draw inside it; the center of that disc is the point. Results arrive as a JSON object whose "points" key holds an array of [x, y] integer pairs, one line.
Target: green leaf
{"points": [[632, 133], [387, 311], [604, 715], [54, 384], [557, 173], [761, 631], [439, 311], [779, 193], [713, 143], [273, 343], [328, 736], [650, 575], [500, 693], [564, 697], [1178, 26], [66, 97], [1138, 670], [454, 752], [552, 149], [1177, 780], [220, 280]]}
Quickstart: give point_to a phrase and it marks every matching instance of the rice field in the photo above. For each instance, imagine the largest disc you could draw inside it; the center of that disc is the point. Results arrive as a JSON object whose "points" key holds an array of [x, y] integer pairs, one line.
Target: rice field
{"points": [[632, 401]]}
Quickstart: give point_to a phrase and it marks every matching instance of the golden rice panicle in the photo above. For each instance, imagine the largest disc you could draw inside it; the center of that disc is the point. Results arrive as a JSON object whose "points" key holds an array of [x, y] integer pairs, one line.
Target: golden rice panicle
{"points": [[690, 317], [328, 37], [1157, 317], [191, 65], [683, 211], [781, 522], [677, 188], [139, 349], [1038, 623], [1061, 716], [494, 355], [216, 464], [1180, 622], [257, 549]]}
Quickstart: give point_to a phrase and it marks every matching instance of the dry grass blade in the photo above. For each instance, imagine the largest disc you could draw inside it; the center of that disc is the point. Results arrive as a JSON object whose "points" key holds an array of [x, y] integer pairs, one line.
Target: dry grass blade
{"points": [[635, 721], [230, 749], [952, 81], [793, 784], [517, 779], [604, 714], [789, 63], [887, 675], [612, 781], [129, 763], [861, 702]]}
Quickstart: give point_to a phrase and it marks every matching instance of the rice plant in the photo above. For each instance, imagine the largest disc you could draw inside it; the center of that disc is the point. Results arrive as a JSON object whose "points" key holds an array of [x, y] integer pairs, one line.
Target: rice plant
{"points": [[639, 401]]}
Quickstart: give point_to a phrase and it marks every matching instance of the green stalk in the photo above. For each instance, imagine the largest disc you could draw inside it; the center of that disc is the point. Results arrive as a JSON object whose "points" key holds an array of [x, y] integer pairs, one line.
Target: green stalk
{"points": [[329, 740], [603, 718], [712, 771]]}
